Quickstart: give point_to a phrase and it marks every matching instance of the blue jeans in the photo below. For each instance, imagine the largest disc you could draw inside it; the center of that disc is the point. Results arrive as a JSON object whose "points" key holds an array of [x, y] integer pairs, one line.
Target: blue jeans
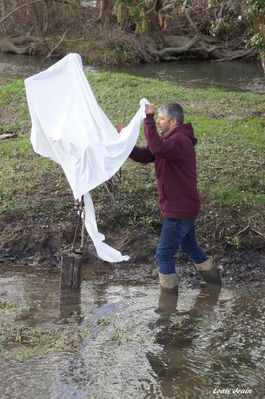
{"points": [[177, 233]]}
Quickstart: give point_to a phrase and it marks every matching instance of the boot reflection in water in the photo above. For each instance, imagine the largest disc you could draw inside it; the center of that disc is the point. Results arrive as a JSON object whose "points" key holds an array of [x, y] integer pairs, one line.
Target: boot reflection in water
{"points": [[178, 335], [206, 300], [167, 303]]}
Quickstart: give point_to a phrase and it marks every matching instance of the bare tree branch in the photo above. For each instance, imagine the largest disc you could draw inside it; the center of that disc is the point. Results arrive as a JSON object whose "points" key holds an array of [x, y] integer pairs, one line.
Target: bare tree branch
{"points": [[247, 228], [58, 44], [35, 2], [19, 8], [186, 12]]}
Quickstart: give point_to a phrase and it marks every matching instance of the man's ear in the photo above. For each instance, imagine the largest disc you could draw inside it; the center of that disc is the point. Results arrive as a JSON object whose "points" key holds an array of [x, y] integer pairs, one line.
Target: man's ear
{"points": [[174, 122]]}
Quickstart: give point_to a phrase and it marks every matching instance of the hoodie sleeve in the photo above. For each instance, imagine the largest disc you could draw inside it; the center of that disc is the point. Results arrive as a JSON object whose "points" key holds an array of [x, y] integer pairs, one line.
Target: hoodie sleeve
{"points": [[142, 155], [174, 147]]}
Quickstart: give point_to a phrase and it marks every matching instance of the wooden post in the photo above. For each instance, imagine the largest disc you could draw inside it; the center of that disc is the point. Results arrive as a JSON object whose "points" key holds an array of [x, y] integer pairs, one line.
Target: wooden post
{"points": [[71, 271]]}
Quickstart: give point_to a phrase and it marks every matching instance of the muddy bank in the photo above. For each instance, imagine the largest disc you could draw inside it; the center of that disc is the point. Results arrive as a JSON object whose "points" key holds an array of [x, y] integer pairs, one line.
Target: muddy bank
{"points": [[43, 246], [33, 244]]}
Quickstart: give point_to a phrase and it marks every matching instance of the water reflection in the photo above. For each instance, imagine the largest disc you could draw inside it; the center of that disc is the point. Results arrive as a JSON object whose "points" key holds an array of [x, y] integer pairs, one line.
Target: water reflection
{"points": [[70, 302], [211, 344], [178, 329]]}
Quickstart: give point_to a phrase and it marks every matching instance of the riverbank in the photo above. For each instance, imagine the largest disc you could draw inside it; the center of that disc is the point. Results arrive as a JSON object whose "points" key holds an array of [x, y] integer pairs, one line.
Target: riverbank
{"points": [[37, 216]]}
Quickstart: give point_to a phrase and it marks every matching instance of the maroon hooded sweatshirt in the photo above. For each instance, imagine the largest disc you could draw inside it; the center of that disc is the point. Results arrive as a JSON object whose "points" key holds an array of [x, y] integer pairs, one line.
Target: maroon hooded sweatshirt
{"points": [[175, 166]]}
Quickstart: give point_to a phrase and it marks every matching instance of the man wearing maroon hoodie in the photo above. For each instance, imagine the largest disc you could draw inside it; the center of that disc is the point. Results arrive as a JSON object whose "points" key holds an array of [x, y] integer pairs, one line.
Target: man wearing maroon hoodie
{"points": [[175, 165]]}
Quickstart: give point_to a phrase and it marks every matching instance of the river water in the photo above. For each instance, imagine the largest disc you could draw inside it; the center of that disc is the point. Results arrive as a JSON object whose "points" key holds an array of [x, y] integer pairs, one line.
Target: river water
{"points": [[234, 76], [133, 341], [124, 338]]}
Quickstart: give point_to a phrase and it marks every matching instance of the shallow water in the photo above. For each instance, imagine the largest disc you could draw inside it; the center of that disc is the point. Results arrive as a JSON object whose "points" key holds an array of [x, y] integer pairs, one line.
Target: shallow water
{"points": [[135, 342], [235, 76]]}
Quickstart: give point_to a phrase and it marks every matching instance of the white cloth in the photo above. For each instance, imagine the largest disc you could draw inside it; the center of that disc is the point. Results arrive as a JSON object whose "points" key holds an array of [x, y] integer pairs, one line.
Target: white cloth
{"points": [[69, 127]]}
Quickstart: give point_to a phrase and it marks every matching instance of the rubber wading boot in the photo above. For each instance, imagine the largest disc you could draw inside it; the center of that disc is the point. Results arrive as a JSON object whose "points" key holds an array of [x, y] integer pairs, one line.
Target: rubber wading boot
{"points": [[209, 271], [167, 303], [168, 282]]}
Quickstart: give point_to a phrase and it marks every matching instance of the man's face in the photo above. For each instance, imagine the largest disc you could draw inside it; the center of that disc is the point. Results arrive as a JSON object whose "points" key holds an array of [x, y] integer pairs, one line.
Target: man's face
{"points": [[166, 126]]}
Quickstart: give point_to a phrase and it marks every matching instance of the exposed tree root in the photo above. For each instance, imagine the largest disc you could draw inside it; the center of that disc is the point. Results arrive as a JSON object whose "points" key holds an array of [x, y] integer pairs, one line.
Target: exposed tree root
{"points": [[201, 46]]}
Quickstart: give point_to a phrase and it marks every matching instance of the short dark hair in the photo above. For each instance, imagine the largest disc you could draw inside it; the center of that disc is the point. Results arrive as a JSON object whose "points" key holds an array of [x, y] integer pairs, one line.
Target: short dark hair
{"points": [[173, 110]]}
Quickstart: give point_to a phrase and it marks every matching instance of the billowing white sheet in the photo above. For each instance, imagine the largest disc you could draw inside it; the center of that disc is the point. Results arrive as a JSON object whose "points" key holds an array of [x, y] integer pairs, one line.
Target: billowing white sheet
{"points": [[69, 127]]}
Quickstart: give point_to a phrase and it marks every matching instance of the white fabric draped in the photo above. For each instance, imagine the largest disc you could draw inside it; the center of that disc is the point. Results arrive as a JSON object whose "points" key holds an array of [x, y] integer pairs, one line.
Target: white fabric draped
{"points": [[69, 127]]}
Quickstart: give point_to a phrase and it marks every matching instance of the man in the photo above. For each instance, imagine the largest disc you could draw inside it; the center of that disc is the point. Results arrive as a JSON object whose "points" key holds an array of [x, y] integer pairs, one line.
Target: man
{"points": [[175, 165]]}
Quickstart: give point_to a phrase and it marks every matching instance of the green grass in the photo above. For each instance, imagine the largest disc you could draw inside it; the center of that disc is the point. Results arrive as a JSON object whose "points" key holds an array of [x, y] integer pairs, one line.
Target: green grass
{"points": [[231, 140], [14, 91]]}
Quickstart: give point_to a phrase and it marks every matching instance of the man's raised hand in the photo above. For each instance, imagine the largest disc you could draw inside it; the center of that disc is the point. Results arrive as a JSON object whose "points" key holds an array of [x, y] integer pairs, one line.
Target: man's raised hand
{"points": [[150, 109]]}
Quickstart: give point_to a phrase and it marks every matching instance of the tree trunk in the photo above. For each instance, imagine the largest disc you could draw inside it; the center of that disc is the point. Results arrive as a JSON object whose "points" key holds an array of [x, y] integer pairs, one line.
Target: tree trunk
{"points": [[262, 58]]}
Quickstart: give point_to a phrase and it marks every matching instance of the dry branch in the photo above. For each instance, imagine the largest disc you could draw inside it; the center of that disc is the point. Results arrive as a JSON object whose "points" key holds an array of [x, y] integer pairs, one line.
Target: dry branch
{"points": [[258, 233], [19, 8], [186, 12], [35, 2], [8, 136], [58, 44], [247, 228]]}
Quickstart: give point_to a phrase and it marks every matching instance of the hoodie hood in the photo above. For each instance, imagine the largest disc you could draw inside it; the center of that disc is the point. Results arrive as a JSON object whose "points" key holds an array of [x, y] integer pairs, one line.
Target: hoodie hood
{"points": [[187, 130]]}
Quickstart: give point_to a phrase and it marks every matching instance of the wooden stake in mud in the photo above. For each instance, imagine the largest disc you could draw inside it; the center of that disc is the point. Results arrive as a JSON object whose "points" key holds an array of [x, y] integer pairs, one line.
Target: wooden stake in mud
{"points": [[72, 261]]}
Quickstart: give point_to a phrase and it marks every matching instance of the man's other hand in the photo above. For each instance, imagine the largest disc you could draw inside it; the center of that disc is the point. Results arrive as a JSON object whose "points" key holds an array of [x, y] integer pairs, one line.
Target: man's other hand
{"points": [[119, 126], [150, 109]]}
